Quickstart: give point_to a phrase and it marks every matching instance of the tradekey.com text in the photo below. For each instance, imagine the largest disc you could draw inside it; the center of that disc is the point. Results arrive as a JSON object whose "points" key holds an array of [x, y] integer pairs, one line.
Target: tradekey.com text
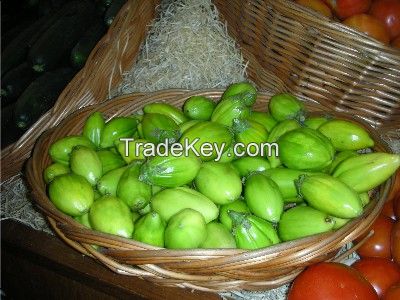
{"points": [[204, 149]]}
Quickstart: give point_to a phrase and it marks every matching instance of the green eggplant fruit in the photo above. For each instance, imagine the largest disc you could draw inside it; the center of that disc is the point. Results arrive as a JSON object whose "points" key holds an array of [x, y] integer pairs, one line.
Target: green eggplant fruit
{"points": [[170, 201], [346, 135], [60, 150], [302, 221], [199, 137], [84, 220], [134, 192], [108, 183], [339, 222], [199, 108], [84, 161], [246, 165], [229, 109], [339, 157], [170, 171], [220, 182], [97, 194], [367, 171], [135, 216], [252, 232], [167, 110], [263, 197], [237, 205], [249, 132], [54, 170], [330, 195], [185, 126], [72, 194], [305, 149], [116, 128], [364, 197], [265, 119], [111, 215], [93, 127], [316, 122], [285, 179], [285, 106], [227, 156], [110, 160], [279, 129], [244, 91], [185, 230], [218, 237], [149, 229], [158, 128], [156, 188], [132, 150], [145, 210]]}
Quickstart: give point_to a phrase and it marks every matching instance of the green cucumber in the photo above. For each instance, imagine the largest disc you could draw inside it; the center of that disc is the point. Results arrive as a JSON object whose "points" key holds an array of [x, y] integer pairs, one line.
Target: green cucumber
{"points": [[85, 45], [58, 40], [15, 82], [40, 96]]}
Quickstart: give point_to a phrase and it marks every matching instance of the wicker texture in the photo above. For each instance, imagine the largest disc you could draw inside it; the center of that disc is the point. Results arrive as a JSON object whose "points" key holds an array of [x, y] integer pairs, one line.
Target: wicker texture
{"points": [[204, 269], [289, 48], [113, 54]]}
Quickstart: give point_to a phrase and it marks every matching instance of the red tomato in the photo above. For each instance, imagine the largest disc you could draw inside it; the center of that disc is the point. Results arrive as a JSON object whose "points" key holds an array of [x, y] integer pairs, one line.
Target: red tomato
{"points": [[331, 281], [388, 11], [388, 210], [378, 245], [382, 273], [393, 293], [347, 8], [369, 25], [395, 242], [317, 5], [396, 43]]}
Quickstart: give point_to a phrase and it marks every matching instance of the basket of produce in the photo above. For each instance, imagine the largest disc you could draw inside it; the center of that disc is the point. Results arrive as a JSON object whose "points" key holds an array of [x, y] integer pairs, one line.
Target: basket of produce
{"points": [[173, 186]]}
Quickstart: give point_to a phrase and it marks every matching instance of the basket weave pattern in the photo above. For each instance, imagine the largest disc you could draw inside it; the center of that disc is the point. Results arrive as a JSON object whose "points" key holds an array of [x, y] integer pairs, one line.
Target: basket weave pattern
{"points": [[204, 269]]}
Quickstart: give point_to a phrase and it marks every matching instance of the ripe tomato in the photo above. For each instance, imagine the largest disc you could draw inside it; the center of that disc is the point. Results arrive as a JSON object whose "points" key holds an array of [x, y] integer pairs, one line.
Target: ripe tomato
{"points": [[331, 281], [369, 25], [378, 245], [388, 210], [393, 293], [396, 43], [382, 273], [347, 8], [395, 242], [317, 5], [388, 11]]}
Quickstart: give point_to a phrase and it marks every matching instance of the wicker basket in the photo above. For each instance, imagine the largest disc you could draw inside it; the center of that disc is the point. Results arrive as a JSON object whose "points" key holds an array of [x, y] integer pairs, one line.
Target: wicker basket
{"points": [[289, 48], [204, 269]]}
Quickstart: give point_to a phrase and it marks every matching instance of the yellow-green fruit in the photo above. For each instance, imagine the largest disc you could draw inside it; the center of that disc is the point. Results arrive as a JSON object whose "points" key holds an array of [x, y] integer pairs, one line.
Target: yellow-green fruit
{"points": [[132, 150], [72, 194], [339, 157], [149, 229], [364, 197], [158, 128], [246, 165], [111, 215], [185, 230], [60, 150], [339, 222], [244, 91], [54, 170], [110, 160], [302, 221], [199, 108], [185, 126], [167, 110], [264, 119], [285, 106], [316, 122], [330, 195], [263, 197], [229, 109], [249, 132], [218, 237], [237, 206], [346, 135], [170, 201], [93, 127], [84, 161], [220, 182], [108, 183], [116, 128], [84, 220]]}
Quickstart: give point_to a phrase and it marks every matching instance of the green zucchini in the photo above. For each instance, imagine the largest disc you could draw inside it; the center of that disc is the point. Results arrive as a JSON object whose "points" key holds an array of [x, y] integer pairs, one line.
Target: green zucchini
{"points": [[88, 41], [15, 53], [40, 96], [15, 82], [60, 38], [112, 11]]}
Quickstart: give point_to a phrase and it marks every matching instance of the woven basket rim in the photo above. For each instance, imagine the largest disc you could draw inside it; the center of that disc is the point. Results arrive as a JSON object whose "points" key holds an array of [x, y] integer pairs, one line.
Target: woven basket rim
{"points": [[66, 226]]}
